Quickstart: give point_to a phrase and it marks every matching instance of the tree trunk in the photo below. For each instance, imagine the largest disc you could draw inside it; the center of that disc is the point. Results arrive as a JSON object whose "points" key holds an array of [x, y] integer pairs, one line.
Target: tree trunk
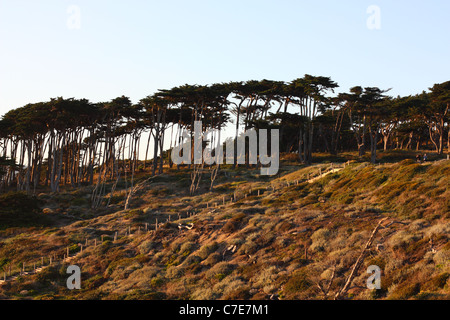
{"points": [[362, 147], [310, 144], [385, 141], [408, 145], [146, 149], [155, 149], [441, 136], [358, 262], [448, 140], [430, 130], [373, 145], [60, 162], [300, 146]]}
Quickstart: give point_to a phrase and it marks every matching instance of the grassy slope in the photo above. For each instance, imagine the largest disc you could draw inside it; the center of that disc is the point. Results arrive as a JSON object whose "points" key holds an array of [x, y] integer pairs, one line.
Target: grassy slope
{"points": [[286, 242]]}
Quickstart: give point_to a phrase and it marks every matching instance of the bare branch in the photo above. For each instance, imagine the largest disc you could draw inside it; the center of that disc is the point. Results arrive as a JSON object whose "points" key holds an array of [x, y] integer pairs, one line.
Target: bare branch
{"points": [[358, 262]]}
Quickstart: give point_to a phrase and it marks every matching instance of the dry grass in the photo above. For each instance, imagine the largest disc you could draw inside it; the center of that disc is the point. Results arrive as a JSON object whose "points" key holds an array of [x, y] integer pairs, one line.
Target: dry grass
{"points": [[282, 242]]}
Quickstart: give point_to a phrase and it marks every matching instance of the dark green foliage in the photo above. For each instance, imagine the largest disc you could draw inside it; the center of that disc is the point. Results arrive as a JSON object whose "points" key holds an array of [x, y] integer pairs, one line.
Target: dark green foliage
{"points": [[437, 282], [3, 262], [406, 291], [17, 209], [143, 295], [298, 282]]}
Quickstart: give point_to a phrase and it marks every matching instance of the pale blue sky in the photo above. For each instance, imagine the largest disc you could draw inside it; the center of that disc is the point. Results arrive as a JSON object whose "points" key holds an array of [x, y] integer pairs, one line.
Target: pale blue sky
{"points": [[134, 47]]}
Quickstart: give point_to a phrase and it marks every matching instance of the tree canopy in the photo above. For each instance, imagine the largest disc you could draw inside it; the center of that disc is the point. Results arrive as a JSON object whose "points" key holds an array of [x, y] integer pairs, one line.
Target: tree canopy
{"points": [[67, 141]]}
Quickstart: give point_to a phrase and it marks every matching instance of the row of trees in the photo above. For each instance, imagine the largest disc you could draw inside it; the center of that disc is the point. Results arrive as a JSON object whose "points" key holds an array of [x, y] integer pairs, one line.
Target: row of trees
{"points": [[71, 141]]}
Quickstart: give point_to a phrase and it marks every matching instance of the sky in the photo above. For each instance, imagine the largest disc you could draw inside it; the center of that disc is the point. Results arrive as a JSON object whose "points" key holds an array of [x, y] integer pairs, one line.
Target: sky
{"points": [[101, 49]]}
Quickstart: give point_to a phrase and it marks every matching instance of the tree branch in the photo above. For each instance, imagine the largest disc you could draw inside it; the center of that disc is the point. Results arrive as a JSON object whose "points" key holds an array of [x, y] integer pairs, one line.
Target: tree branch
{"points": [[358, 262]]}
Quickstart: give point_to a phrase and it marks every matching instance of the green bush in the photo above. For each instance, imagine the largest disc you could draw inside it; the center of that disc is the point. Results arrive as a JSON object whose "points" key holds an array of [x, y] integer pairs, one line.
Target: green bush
{"points": [[298, 282], [156, 282], [438, 282], [3, 263], [406, 291], [206, 250], [79, 202], [17, 209], [219, 271]]}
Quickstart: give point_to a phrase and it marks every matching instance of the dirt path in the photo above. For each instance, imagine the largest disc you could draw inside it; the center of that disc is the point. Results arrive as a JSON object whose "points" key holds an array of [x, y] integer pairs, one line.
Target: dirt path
{"points": [[324, 175], [36, 271]]}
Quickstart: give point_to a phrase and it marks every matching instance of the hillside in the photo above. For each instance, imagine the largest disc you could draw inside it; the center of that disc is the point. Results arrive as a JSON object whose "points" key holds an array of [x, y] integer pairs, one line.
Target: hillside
{"points": [[293, 236]]}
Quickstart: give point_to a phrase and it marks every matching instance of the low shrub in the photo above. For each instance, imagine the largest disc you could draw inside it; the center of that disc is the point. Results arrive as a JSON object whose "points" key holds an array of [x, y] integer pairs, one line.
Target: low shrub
{"points": [[219, 271], [213, 259], [405, 291], [17, 209], [296, 283], [174, 272], [437, 282], [207, 249]]}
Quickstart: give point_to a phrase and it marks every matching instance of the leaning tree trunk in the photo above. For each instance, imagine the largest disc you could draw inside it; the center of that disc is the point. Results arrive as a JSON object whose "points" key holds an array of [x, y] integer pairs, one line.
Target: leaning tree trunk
{"points": [[358, 262], [430, 130]]}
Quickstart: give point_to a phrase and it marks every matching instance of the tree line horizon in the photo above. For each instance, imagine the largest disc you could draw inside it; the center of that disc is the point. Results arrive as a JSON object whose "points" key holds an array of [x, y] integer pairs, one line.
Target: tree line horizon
{"points": [[65, 141]]}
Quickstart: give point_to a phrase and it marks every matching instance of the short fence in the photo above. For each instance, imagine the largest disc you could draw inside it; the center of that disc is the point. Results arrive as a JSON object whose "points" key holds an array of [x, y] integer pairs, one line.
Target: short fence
{"points": [[64, 256]]}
